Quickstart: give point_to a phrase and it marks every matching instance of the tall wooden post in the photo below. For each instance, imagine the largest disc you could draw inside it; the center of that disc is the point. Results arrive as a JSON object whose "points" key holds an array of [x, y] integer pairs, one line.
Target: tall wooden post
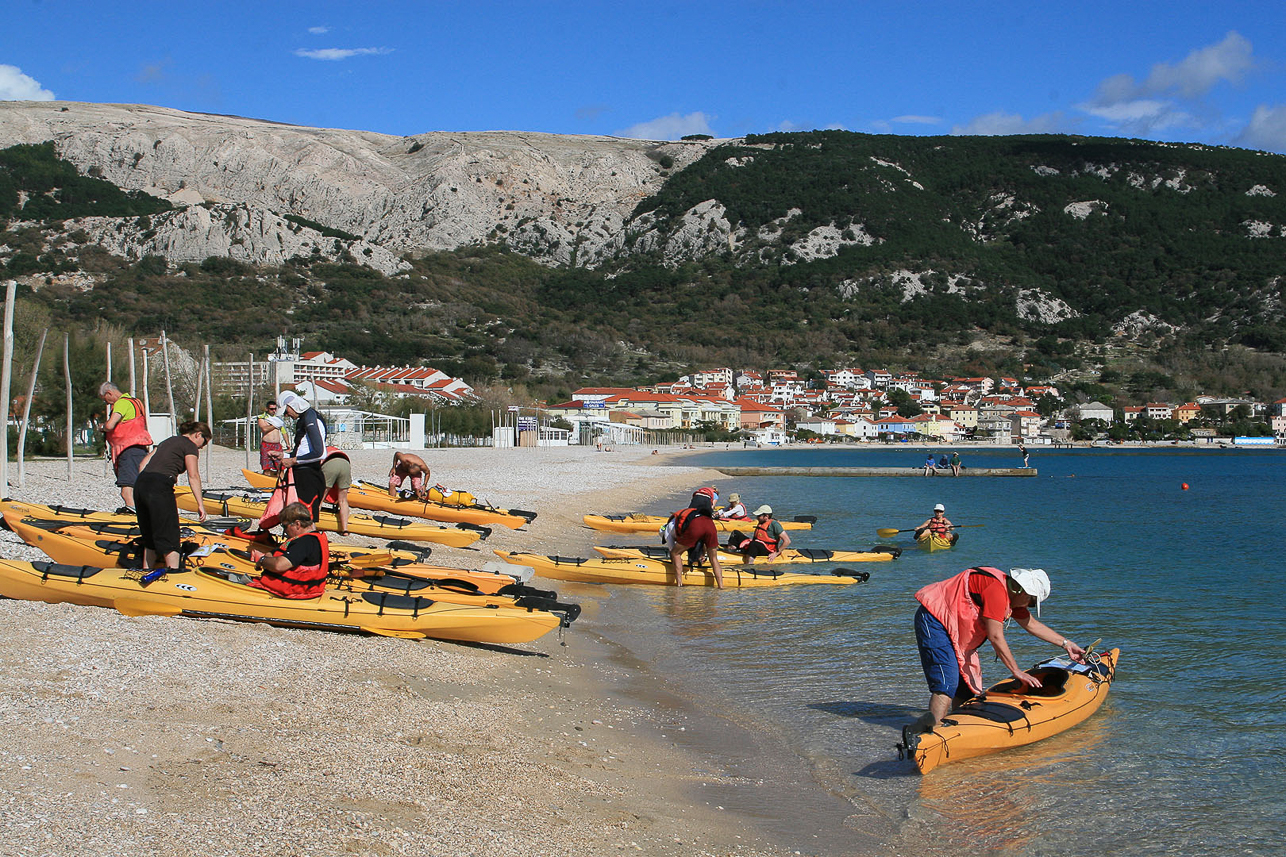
{"points": [[26, 408], [209, 407], [250, 406], [132, 391], [67, 375], [169, 384], [4, 383]]}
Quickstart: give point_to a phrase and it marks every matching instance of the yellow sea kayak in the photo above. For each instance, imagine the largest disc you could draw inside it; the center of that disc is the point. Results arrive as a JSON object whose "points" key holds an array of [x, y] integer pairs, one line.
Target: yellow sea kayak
{"points": [[933, 542], [372, 497], [114, 545], [638, 523], [207, 594], [790, 556], [1010, 714], [376, 526], [659, 573]]}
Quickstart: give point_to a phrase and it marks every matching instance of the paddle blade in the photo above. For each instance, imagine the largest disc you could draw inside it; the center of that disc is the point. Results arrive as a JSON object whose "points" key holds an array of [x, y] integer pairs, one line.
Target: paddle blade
{"points": [[886, 532]]}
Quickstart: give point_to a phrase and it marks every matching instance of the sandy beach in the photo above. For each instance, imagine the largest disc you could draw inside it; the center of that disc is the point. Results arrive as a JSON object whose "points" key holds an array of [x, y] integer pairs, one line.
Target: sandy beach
{"points": [[156, 736]]}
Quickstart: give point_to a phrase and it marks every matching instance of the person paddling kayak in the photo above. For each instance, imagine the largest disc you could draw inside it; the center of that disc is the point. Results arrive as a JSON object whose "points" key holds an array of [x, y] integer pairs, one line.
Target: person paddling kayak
{"points": [[938, 525]]}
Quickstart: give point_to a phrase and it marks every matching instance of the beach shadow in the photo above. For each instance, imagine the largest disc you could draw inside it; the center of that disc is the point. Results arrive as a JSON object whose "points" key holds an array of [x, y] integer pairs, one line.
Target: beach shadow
{"points": [[497, 647], [891, 768]]}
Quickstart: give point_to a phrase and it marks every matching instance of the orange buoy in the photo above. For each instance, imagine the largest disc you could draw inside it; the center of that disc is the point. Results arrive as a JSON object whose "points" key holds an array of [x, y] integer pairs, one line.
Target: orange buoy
{"points": [[1184, 486]]}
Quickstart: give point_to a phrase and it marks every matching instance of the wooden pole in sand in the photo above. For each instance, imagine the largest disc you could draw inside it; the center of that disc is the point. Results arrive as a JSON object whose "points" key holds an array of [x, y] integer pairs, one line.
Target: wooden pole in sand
{"points": [[169, 385], [107, 454], [26, 409], [67, 376], [209, 408], [250, 404], [200, 382], [147, 398], [4, 382]]}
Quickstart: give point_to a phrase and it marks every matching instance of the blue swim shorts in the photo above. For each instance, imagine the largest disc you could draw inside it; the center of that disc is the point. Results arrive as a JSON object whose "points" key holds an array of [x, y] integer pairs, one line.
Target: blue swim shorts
{"points": [[938, 656]]}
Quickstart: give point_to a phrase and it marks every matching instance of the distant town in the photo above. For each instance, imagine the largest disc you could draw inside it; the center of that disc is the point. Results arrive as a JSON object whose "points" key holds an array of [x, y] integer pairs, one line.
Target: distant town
{"points": [[779, 406]]}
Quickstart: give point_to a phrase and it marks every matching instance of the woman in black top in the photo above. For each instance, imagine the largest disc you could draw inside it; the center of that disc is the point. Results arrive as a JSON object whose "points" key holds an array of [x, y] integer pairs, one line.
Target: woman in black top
{"points": [[305, 460], [158, 513]]}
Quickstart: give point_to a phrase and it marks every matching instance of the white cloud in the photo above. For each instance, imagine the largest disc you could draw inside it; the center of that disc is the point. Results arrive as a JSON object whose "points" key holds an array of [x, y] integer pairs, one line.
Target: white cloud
{"points": [[1169, 95], [916, 120], [340, 53], [1266, 130], [670, 127], [16, 86], [318, 31], [999, 122]]}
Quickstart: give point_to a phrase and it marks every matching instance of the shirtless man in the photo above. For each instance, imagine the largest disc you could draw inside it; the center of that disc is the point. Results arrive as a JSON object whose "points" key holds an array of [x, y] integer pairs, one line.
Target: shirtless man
{"points": [[271, 439], [406, 465]]}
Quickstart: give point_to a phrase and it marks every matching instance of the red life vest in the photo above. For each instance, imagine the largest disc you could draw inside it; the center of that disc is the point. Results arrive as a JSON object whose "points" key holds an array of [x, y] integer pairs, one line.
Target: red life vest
{"points": [[950, 603], [761, 535], [938, 528], [302, 581], [284, 493], [683, 520], [130, 432]]}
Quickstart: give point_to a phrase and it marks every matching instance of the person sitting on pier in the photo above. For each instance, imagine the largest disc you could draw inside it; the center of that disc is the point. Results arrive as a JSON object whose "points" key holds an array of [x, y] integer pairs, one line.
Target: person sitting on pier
{"points": [[930, 465], [938, 526]]}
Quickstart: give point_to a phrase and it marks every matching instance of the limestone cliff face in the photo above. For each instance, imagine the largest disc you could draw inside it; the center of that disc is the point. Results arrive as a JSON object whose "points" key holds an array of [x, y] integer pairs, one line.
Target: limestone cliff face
{"points": [[558, 199]]}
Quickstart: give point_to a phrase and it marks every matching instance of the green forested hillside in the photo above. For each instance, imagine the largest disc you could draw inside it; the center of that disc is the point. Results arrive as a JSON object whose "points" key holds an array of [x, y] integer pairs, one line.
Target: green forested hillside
{"points": [[979, 221]]}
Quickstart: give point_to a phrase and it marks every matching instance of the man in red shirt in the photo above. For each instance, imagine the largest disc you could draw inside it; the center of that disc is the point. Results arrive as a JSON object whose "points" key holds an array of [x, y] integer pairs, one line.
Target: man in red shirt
{"points": [[957, 615], [687, 529]]}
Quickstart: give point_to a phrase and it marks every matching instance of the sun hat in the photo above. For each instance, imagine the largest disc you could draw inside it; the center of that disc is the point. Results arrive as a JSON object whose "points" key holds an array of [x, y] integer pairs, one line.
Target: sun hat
{"points": [[939, 508], [291, 399], [764, 510], [1034, 581], [734, 498]]}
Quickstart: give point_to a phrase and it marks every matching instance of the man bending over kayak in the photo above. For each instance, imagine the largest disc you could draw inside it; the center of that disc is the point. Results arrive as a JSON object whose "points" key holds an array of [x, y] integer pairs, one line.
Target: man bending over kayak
{"points": [[956, 616], [692, 527], [408, 466]]}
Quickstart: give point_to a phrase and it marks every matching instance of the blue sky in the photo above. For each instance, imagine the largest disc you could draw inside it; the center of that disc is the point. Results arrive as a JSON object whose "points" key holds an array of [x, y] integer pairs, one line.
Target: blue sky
{"points": [[1211, 72]]}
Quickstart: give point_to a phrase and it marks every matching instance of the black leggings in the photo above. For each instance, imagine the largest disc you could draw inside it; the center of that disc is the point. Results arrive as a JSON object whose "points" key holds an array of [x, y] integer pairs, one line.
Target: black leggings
{"points": [[158, 514], [310, 486]]}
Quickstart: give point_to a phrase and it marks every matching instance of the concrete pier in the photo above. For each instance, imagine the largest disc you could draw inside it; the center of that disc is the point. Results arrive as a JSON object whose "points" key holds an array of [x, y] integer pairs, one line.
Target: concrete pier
{"points": [[874, 471]]}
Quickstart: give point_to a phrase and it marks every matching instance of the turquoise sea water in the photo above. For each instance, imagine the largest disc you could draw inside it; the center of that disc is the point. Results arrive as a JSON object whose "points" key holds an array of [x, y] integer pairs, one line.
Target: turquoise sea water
{"points": [[1187, 756]]}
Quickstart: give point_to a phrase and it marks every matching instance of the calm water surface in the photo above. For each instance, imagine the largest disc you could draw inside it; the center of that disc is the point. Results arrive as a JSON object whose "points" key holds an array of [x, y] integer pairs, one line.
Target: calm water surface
{"points": [[1186, 756]]}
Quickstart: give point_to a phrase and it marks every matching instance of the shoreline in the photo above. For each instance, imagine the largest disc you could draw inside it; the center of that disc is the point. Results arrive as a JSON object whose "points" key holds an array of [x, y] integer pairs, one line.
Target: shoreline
{"points": [[175, 737]]}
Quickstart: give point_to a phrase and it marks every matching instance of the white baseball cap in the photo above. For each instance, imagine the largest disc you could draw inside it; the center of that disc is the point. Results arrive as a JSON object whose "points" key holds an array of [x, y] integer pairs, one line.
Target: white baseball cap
{"points": [[939, 508], [1034, 581]]}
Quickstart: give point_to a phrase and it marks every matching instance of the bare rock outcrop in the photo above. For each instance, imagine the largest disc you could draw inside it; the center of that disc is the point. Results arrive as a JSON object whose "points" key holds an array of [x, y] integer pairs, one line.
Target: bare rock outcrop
{"points": [[556, 198]]}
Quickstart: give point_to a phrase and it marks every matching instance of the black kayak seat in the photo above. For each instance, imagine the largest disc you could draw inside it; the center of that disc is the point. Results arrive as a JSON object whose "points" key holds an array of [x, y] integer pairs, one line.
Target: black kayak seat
{"points": [[54, 569]]}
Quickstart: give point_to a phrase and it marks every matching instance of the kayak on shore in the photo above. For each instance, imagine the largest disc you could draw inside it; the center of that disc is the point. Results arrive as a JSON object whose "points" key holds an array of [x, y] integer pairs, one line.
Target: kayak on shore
{"points": [[1010, 714], [375, 498], [658, 573], [207, 593], [228, 503]]}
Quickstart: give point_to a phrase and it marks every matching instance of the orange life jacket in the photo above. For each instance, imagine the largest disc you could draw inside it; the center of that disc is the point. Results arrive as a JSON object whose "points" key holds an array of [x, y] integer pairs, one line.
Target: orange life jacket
{"points": [[131, 432], [761, 535], [302, 581], [939, 528], [951, 604]]}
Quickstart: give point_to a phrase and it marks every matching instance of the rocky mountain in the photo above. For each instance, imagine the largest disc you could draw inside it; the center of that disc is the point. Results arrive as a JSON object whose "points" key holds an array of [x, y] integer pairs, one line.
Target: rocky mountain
{"points": [[557, 199]]}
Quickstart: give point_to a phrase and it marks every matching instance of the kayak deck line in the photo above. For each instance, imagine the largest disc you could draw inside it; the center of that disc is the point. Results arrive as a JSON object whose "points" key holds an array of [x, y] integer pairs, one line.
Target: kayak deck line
{"points": [[871, 471]]}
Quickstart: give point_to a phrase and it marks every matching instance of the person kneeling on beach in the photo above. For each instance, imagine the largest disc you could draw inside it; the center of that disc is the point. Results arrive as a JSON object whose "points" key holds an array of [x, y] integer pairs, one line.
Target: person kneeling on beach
{"points": [[691, 528], [956, 616], [299, 567]]}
